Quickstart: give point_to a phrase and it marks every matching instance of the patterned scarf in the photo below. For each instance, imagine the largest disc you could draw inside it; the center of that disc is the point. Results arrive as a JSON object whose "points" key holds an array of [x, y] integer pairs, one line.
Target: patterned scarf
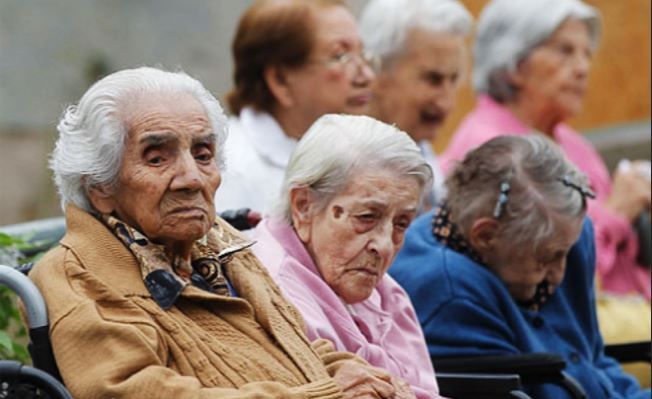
{"points": [[165, 278], [447, 233]]}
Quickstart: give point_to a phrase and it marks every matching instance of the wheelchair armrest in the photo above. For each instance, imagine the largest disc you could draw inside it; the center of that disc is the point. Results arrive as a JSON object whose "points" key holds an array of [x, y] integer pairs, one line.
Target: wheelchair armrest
{"points": [[630, 352], [521, 364], [532, 368], [14, 372], [480, 386], [241, 219]]}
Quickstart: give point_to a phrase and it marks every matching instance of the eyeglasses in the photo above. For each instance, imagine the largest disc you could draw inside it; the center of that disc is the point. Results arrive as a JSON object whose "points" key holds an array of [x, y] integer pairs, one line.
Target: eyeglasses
{"points": [[350, 61]]}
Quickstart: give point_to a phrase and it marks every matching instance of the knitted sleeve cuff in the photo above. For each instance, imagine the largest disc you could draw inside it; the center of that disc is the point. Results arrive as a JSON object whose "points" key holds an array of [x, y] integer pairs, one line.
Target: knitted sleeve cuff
{"points": [[322, 389]]}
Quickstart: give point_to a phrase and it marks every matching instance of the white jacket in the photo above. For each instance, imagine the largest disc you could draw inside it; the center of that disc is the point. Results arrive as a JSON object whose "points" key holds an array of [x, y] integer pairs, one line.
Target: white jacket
{"points": [[257, 152]]}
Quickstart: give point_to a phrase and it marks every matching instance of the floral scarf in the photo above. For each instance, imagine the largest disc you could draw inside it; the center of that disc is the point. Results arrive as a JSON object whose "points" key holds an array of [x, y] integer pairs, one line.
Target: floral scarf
{"points": [[165, 278]]}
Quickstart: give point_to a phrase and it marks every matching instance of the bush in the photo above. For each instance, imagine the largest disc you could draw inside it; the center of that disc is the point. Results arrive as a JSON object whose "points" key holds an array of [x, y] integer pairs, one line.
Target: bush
{"points": [[12, 331]]}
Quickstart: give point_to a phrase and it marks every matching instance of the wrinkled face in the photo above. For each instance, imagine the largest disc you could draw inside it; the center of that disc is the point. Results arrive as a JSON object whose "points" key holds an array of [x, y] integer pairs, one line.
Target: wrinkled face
{"points": [[522, 271], [555, 75], [169, 175], [355, 238], [335, 78], [417, 90]]}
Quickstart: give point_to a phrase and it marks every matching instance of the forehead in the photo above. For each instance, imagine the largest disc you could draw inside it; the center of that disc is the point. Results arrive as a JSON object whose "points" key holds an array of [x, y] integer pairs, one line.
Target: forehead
{"points": [[178, 113], [566, 233], [382, 187], [433, 49], [333, 24], [571, 29]]}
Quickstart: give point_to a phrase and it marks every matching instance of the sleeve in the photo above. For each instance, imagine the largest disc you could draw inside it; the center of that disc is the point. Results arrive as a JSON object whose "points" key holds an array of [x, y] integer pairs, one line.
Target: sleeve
{"points": [[622, 385], [461, 327], [102, 358], [613, 235]]}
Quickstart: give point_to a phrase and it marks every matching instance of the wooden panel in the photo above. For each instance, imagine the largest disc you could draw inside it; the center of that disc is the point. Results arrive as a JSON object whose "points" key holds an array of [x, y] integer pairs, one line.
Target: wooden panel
{"points": [[619, 85]]}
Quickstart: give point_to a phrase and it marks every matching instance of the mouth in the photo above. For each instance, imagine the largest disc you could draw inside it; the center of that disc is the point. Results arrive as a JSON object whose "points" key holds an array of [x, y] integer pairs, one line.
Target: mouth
{"points": [[359, 100], [431, 117], [189, 212]]}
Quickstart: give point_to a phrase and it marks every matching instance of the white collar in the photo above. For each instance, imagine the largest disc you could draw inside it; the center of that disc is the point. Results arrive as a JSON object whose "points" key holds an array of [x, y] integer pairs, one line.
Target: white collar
{"points": [[267, 137]]}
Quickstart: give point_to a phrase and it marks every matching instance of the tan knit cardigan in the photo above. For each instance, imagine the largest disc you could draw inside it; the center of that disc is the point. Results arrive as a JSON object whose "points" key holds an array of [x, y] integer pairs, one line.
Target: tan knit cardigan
{"points": [[111, 340]]}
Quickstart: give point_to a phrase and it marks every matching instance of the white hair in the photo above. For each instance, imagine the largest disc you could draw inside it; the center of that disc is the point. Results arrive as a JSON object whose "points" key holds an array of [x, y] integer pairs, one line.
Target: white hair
{"points": [[92, 133], [508, 30], [385, 24], [336, 148], [543, 183]]}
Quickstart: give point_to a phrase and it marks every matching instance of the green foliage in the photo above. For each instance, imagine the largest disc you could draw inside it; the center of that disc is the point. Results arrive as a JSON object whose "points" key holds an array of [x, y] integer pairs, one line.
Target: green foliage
{"points": [[12, 331]]}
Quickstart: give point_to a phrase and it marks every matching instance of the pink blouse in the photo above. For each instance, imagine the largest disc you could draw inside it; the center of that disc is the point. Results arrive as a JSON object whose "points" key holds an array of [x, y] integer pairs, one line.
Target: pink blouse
{"points": [[616, 241], [383, 329]]}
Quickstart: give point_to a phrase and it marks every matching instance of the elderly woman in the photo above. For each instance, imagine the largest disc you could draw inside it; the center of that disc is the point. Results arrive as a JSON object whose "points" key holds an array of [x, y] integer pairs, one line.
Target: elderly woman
{"points": [[505, 265], [149, 294], [421, 44], [295, 60], [351, 189], [532, 59]]}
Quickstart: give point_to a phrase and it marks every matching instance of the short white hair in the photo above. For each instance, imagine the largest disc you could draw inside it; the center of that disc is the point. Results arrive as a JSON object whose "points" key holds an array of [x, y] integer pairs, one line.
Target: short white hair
{"points": [[508, 30], [92, 133], [385, 24], [336, 148]]}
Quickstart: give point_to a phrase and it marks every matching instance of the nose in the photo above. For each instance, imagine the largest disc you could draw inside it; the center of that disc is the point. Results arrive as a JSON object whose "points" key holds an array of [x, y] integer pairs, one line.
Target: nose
{"points": [[364, 73], [582, 65], [186, 174], [444, 97], [381, 242], [556, 272]]}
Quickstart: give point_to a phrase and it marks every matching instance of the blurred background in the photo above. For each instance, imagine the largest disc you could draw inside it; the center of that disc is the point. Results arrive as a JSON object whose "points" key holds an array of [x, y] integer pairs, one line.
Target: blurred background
{"points": [[52, 50]]}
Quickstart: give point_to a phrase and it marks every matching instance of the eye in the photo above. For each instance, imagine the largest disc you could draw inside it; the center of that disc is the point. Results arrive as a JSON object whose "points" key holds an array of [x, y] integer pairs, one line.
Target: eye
{"points": [[154, 157], [203, 154], [434, 78], [366, 217], [402, 223]]}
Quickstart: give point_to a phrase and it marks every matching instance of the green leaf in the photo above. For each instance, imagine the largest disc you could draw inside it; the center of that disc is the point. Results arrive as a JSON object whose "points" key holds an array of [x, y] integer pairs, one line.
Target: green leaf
{"points": [[6, 344]]}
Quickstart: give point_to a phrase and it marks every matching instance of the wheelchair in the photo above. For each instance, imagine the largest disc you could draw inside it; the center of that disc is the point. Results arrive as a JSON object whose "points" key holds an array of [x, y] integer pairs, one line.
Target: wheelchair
{"points": [[493, 377]]}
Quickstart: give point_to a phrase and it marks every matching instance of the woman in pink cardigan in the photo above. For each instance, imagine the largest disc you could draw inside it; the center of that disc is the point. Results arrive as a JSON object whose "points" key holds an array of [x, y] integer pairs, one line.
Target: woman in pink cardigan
{"points": [[351, 189], [532, 60]]}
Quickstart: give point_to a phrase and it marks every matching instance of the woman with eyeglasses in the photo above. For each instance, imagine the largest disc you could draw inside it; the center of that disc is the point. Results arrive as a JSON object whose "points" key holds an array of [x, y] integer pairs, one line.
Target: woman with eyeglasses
{"points": [[295, 60], [505, 265]]}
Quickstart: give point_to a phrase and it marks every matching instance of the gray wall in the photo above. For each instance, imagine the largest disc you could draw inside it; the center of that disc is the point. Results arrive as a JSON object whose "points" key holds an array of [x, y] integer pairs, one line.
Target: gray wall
{"points": [[52, 50]]}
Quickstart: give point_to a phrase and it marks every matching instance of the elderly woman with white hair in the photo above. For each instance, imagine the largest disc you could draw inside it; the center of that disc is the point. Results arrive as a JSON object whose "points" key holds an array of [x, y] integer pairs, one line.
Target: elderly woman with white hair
{"points": [[421, 44], [505, 265], [532, 60], [352, 187], [150, 295]]}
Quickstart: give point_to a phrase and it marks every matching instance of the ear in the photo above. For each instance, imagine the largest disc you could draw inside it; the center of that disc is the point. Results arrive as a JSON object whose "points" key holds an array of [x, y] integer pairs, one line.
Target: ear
{"points": [[515, 76], [301, 208], [482, 235], [102, 199], [277, 81]]}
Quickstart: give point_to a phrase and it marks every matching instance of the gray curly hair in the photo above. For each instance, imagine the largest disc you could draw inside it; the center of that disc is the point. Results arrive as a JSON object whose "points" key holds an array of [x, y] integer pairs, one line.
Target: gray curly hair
{"points": [[535, 169], [92, 133]]}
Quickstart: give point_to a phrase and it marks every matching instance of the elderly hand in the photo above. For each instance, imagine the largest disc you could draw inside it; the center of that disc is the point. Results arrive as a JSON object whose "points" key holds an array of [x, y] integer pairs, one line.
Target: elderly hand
{"points": [[403, 390], [630, 194], [359, 381]]}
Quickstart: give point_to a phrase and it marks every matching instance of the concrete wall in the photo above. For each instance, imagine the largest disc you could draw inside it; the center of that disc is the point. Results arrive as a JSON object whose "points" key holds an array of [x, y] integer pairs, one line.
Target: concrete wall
{"points": [[52, 50]]}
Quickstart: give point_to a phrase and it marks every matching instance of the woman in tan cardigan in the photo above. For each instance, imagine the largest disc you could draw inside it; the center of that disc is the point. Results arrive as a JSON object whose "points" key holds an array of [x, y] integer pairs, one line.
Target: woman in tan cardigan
{"points": [[149, 294]]}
